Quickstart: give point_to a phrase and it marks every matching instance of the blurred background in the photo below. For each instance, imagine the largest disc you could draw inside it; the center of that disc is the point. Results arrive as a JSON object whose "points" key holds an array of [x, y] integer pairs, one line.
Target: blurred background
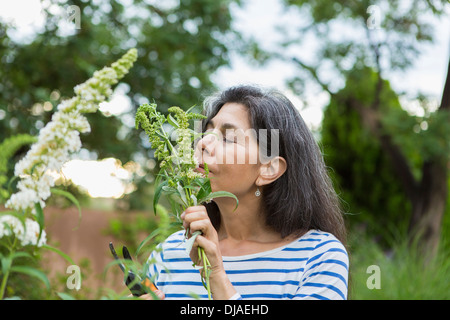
{"points": [[370, 79]]}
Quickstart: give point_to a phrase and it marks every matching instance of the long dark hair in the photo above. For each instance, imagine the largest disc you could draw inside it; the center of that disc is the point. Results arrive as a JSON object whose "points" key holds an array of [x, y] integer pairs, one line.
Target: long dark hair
{"points": [[303, 198]]}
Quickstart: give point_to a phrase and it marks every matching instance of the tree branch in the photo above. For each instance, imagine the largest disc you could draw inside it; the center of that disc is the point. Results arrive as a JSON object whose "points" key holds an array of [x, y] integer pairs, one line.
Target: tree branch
{"points": [[371, 120], [445, 102], [313, 72], [376, 52]]}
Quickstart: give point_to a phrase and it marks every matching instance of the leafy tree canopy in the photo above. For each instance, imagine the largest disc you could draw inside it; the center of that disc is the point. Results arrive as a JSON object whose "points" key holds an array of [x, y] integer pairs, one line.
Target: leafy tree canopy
{"points": [[180, 44]]}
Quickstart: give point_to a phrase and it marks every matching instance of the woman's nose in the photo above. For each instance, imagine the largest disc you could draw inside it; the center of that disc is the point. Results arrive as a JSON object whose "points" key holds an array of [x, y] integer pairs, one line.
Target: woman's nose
{"points": [[206, 144]]}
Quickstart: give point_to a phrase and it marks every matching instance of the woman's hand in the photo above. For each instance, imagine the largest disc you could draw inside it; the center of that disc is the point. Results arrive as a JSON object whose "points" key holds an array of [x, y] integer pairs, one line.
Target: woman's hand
{"points": [[196, 219]]}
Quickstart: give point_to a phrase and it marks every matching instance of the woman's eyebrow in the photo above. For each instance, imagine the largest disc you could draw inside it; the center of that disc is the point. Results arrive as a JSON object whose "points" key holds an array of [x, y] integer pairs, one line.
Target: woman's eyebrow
{"points": [[224, 126]]}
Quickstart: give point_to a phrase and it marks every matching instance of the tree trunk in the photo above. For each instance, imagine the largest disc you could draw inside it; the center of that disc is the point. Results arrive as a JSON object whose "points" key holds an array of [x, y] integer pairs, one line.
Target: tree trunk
{"points": [[428, 208], [429, 195], [430, 201]]}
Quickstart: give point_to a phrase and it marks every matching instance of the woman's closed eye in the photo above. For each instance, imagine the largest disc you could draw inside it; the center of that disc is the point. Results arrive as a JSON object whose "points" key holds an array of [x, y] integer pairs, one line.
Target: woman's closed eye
{"points": [[229, 139]]}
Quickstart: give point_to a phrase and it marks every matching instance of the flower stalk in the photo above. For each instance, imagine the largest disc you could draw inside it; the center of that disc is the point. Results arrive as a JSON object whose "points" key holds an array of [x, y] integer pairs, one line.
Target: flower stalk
{"points": [[172, 140], [61, 136], [23, 225]]}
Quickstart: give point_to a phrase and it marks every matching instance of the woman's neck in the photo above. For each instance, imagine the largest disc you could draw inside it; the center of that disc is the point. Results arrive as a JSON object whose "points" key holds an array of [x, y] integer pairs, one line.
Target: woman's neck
{"points": [[246, 223]]}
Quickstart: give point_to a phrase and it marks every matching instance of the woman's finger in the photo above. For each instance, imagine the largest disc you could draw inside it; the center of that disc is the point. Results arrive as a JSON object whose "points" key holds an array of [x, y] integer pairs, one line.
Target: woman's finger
{"points": [[201, 225], [192, 214], [211, 250], [159, 294], [196, 209]]}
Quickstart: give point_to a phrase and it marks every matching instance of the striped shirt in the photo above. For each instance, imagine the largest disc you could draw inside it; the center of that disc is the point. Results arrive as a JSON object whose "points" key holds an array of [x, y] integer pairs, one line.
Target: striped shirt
{"points": [[315, 266]]}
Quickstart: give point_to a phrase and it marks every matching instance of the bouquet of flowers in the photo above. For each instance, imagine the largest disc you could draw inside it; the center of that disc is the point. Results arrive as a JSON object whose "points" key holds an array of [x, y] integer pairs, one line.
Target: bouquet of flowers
{"points": [[177, 178]]}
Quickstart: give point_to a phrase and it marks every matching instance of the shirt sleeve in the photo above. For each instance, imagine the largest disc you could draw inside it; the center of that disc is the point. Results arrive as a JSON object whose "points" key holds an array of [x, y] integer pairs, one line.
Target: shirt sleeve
{"points": [[154, 263], [236, 296], [326, 273]]}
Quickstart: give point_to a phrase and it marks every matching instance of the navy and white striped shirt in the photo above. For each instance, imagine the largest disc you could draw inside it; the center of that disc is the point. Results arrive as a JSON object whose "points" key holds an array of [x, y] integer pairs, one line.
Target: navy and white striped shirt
{"points": [[315, 266]]}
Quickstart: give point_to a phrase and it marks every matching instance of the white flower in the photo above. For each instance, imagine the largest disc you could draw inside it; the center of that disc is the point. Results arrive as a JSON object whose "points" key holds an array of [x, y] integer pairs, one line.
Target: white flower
{"points": [[31, 235], [28, 235], [61, 136], [10, 225], [21, 200]]}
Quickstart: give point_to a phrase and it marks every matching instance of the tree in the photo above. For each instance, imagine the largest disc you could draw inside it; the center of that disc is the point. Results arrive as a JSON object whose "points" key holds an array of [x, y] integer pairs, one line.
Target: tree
{"points": [[180, 45], [390, 43], [356, 157]]}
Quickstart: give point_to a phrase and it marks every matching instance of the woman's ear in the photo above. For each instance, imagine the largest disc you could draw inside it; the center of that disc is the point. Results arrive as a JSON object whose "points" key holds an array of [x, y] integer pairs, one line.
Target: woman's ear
{"points": [[271, 171]]}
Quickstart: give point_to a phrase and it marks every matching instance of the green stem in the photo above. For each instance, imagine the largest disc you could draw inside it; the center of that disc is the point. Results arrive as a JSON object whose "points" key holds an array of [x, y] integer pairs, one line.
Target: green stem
{"points": [[3, 286], [6, 276], [206, 266], [202, 256], [188, 196], [170, 146]]}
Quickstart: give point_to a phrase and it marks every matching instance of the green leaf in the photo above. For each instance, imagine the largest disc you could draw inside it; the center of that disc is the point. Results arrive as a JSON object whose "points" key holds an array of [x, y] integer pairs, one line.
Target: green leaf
{"points": [[10, 184], [6, 264], [157, 194], [21, 254], [189, 110], [169, 190], [176, 208], [62, 254], [182, 193], [194, 199], [177, 199], [32, 272], [39, 218], [220, 194], [190, 241], [172, 121], [8, 212], [72, 198], [147, 239], [205, 188], [65, 296]]}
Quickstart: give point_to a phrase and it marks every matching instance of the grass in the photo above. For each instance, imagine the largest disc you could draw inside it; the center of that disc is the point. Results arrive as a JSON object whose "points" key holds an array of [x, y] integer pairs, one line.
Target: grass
{"points": [[403, 272]]}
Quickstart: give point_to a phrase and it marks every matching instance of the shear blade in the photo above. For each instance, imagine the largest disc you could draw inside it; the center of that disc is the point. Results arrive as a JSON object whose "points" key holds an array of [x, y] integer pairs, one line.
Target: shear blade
{"points": [[113, 251]]}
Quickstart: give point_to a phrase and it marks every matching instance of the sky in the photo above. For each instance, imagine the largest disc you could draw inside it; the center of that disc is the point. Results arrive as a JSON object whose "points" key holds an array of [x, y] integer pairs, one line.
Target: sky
{"points": [[255, 18], [260, 18]]}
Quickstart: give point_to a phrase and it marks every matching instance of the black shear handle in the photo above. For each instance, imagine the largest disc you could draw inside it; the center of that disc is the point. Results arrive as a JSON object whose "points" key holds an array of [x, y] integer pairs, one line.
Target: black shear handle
{"points": [[132, 281]]}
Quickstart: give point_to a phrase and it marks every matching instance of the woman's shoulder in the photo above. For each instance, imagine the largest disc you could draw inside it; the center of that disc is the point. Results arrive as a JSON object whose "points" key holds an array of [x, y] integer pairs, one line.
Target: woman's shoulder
{"points": [[323, 246], [321, 238], [316, 242], [325, 274]]}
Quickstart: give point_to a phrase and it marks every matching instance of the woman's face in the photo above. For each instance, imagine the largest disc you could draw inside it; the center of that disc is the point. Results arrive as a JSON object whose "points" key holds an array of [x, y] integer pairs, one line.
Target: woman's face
{"points": [[230, 150]]}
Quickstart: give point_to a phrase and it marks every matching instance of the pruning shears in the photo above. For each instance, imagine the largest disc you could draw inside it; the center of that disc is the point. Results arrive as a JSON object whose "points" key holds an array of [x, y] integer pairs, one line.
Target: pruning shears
{"points": [[133, 281]]}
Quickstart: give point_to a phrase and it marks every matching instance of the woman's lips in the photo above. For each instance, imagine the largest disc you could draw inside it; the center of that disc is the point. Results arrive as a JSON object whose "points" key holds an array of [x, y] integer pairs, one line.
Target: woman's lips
{"points": [[201, 168]]}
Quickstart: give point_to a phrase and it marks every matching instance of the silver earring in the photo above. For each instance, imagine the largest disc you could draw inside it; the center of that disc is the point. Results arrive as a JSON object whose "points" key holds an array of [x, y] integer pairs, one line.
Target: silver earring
{"points": [[257, 192]]}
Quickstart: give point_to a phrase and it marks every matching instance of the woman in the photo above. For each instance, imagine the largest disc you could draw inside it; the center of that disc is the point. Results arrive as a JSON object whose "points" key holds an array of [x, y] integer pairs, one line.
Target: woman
{"points": [[286, 238]]}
